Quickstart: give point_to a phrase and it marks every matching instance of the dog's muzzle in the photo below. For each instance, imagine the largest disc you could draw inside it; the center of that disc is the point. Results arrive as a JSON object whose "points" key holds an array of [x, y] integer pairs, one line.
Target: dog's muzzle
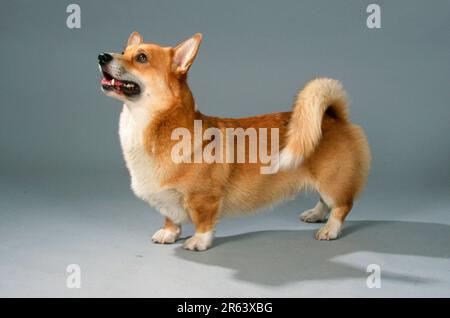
{"points": [[110, 82], [104, 59]]}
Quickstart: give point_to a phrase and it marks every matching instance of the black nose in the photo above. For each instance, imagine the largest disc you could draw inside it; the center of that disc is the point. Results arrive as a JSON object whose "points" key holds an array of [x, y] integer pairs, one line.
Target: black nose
{"points": [[104, 58]]}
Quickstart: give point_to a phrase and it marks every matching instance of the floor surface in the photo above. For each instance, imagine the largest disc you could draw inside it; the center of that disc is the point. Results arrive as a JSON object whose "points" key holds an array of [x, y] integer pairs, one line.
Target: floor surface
{"points": [[48, 223]]}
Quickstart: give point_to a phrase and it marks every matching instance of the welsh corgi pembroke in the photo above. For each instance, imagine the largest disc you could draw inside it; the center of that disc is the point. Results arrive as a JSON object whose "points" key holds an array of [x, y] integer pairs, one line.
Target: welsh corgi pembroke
{"points": [[193, 168]]}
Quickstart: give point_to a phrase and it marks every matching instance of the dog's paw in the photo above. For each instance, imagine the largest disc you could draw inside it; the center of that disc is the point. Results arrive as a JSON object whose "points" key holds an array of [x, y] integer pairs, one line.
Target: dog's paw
{"points": [[199, 242], [329, 231], [312, 216], [164, 236]]}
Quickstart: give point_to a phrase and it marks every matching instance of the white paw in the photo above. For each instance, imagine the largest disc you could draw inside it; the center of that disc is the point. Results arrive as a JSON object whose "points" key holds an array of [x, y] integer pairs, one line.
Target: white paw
{"points": [[312, 216], [164, 236], [199, 242], [329, 231]]}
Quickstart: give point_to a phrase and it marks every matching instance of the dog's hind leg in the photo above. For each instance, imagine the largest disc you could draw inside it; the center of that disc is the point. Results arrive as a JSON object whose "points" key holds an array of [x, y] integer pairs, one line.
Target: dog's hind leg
{"points": [[332, 228], [316, 214]]}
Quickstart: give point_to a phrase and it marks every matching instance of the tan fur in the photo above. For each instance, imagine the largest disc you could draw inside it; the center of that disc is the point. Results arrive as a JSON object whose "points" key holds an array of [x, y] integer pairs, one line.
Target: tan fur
{"points": [[305, 127], [335, 154]]}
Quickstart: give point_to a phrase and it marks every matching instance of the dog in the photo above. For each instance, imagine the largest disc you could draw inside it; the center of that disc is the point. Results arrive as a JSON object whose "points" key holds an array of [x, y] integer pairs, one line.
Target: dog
{"points": [[320, 148]]}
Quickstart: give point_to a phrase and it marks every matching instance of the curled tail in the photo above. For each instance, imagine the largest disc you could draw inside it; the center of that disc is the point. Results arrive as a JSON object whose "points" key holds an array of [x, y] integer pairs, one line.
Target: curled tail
{"points": [[305, 127]]}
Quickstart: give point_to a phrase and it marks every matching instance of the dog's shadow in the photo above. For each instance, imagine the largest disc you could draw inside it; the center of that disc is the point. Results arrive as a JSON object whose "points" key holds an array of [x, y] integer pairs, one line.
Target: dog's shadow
{"points": [[278, 257]]}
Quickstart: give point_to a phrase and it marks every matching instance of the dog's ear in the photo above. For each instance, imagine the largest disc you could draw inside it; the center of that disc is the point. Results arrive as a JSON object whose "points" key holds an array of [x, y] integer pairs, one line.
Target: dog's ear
{"points": [[134, 39], [185, 53]]}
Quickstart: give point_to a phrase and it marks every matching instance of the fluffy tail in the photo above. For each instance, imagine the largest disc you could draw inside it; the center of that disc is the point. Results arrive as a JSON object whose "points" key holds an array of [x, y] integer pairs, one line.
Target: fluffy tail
{"points": [[305, 126]]}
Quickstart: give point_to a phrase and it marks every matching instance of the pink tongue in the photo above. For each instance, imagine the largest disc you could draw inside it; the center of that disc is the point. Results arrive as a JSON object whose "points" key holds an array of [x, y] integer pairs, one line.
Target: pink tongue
{"points": [[117, 83]]}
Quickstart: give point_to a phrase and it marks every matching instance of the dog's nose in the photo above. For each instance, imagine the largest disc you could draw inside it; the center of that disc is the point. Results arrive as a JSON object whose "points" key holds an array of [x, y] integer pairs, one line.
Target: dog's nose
{"points": [[104, 58]]}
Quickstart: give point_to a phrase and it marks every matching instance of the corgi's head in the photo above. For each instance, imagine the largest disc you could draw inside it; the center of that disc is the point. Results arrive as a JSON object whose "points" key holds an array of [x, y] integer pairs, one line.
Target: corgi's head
{"points": [[146, 73]]}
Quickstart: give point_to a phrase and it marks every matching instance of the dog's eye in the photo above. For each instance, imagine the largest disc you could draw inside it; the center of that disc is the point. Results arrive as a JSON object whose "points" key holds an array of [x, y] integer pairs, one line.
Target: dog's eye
{"points": [[141, 58]]}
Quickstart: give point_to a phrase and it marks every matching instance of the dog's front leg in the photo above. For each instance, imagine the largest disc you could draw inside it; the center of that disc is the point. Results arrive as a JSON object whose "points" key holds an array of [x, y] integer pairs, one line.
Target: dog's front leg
{"points": [[204, 211], [168, 234]]}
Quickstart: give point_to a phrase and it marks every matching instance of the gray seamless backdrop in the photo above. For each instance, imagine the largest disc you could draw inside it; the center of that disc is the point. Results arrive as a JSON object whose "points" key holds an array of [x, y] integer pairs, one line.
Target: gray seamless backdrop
{"points": [[254, 57], [64, 188]]}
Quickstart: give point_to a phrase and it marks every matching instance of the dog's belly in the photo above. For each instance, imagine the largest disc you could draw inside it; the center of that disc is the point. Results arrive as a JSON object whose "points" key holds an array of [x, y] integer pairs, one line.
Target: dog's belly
{"points": [[144, 174]]}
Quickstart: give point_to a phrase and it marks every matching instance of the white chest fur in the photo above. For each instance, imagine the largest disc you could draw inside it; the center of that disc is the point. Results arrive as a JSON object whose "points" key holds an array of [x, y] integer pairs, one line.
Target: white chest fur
{"points": [[145, 173]]}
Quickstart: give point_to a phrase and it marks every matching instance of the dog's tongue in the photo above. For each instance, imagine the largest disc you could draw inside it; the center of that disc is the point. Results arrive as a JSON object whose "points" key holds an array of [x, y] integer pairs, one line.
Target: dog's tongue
{"points": [[112, 82]]}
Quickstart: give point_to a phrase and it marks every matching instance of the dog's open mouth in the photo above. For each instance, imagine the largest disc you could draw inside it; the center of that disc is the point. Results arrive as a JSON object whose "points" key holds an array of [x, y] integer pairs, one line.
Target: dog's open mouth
{"points": [[127, 88]]}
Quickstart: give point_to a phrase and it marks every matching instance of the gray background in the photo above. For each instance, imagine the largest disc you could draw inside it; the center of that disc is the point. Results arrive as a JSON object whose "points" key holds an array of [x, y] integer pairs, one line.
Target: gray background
{"points": [[64, 194]]}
